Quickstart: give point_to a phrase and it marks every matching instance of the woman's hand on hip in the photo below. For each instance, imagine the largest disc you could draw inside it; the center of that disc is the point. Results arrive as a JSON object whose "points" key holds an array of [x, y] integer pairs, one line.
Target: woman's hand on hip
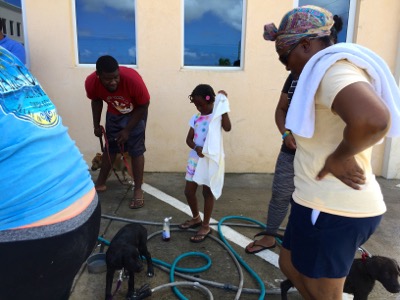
{"points": [[345, 169]]}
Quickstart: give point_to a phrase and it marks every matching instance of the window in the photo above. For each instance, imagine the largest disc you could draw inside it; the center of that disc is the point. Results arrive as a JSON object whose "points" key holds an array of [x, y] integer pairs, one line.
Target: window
{"points": [[18, 29], [213, 33], [11, 27], [342, 8], [4, 21], [105, 27]]}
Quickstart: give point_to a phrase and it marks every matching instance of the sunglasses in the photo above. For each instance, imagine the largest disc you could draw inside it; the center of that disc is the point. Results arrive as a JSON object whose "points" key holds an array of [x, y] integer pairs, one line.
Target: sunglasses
{"points": [[285, 57]]}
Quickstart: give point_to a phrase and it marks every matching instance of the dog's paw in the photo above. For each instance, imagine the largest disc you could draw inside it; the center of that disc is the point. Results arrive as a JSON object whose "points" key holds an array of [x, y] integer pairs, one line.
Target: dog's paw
{"points": [[141, 293], [109, 297]]}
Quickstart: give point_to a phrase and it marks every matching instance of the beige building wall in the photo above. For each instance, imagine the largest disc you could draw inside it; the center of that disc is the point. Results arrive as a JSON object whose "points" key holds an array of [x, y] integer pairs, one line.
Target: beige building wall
{"points": [[254, 142]]}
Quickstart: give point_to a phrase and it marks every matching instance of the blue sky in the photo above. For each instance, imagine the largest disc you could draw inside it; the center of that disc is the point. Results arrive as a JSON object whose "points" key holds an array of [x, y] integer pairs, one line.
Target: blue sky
{"points": [[212, 29], [106, 27], [14, 2]]}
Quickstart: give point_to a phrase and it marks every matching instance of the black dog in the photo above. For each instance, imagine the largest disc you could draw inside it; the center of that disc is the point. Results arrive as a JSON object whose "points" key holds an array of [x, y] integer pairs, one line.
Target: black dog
{"points": [[124, 252], [362, 276], [364, 273]]}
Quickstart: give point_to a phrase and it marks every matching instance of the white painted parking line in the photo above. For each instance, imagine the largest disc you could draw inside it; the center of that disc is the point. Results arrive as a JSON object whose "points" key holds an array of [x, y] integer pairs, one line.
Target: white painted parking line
{"points": [[230, 234]]}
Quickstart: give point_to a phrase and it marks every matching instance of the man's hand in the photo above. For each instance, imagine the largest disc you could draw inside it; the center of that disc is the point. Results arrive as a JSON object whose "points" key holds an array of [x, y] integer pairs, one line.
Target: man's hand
{"points": [[98, 132], [123, 136], [346, 170]]}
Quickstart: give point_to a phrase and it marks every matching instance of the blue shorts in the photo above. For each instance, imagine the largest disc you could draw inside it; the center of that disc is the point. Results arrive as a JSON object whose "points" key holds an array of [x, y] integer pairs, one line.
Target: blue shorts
{"points": [[135, 145], [326, 249]]}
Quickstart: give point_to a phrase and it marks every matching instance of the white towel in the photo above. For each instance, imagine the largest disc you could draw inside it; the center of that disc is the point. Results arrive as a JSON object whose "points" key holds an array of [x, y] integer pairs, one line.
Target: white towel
{"points": [[301, 115], [210, 169]]}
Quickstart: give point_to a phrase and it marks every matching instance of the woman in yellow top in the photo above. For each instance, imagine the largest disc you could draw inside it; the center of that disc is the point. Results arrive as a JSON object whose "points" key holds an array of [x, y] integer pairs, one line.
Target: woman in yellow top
{"points": [[344, 103]]}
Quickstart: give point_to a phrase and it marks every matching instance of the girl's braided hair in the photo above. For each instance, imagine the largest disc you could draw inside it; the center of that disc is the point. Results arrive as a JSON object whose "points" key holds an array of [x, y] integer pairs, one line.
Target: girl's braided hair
{"points": [[205, 91]]}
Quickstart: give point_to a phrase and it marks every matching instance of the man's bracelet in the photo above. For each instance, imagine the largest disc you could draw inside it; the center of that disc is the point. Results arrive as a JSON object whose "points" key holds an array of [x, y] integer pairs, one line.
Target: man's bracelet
{"points": [[285, 134]]}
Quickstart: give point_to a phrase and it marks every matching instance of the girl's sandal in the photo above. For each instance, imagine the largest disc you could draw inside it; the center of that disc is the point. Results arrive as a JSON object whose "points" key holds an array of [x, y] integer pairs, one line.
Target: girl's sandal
{"points": [[200, 237], [136, 203], [189, 225]]}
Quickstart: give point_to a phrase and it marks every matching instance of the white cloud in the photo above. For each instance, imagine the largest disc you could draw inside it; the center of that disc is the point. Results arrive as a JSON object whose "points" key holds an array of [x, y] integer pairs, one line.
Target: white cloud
{"points": [[99, 5], [230, 11], [191, 54], [83, 33], [196, 55], [132, 52], [86, 53]]}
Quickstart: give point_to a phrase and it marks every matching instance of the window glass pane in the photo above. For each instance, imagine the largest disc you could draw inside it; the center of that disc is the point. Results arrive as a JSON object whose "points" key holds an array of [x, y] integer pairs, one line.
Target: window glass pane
{"points": [[11, 12], [337, 7], [213, 32], [4, 22], [14, 2], [106, 27], [11, 27]]}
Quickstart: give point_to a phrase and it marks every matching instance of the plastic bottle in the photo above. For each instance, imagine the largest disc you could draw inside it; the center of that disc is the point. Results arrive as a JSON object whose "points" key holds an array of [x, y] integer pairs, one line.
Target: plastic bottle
{"points": [[166, 234]]}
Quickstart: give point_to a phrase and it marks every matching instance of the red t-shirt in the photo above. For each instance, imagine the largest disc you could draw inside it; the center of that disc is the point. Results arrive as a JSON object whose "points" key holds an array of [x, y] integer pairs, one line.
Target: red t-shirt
{"points": [[131, 91]]}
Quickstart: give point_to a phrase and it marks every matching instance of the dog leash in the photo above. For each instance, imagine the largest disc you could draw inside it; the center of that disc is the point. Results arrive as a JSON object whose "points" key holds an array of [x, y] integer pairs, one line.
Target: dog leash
{"points": [[364, 254], [118, 285], [109, 158], [128, 167]]}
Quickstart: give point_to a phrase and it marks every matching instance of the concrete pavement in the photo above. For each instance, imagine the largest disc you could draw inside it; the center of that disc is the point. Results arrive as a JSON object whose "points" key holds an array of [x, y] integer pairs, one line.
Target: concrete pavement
{"points": [[244, 195]]}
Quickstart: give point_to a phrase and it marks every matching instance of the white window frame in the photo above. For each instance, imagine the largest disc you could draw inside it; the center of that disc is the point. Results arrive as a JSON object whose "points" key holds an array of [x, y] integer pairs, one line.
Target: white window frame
{"points": [[76, 45], [214, 68]]}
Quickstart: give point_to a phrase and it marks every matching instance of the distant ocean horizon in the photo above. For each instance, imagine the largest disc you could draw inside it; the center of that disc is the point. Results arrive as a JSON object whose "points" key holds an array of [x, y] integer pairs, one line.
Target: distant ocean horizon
{"points": [[91, 48], [124, 51]]}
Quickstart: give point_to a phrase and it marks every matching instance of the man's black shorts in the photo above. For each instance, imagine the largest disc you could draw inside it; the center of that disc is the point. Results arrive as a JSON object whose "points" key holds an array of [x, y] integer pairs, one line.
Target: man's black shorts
{"points": [[135, 145]]}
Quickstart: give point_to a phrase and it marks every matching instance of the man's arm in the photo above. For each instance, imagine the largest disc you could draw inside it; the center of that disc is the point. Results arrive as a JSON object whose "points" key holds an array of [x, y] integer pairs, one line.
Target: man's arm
{"points": [[97, 108]]}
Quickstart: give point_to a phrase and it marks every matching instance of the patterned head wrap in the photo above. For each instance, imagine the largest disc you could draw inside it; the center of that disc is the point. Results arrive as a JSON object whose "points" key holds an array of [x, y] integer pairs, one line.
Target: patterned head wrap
{"points": [[304, 21]]}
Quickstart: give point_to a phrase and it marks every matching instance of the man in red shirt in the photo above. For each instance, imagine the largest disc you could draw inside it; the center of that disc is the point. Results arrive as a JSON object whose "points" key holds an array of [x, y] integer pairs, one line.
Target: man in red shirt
{"points": [[127, 101]]}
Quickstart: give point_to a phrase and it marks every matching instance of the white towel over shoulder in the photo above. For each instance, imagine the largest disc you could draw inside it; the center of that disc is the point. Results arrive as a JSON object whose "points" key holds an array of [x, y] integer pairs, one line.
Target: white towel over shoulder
{"points": [[301, 115], [210, 169]]}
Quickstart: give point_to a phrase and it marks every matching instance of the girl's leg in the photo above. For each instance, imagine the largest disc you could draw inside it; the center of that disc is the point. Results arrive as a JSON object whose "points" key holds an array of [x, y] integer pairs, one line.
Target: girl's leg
{"points": [[191, 198], [208, 208]]}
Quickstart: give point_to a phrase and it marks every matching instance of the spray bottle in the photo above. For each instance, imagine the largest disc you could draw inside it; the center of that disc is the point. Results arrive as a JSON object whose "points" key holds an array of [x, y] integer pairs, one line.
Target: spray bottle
{"points": [[166, 234]]}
